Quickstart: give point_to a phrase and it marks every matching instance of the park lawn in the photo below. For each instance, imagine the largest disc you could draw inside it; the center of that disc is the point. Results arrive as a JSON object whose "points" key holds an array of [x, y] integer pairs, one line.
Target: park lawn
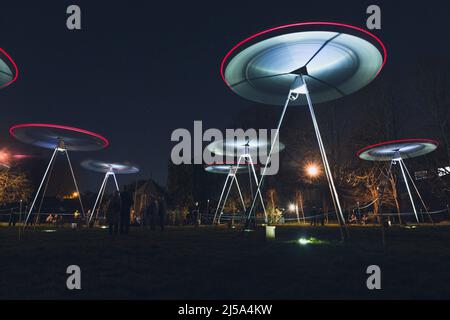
{"points": [[220, 263]]}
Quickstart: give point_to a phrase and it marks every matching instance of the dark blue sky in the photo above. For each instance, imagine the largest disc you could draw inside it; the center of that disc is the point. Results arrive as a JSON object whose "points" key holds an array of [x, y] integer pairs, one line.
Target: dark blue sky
{"points": [[139, 69]]}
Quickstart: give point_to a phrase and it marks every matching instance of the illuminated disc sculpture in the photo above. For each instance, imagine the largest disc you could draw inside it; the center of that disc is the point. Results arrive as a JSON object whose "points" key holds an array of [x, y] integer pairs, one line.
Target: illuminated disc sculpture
{"points": [[243, 149], [61, 139], [395, 152], [300, 63], [110, 169], [8, 69]]}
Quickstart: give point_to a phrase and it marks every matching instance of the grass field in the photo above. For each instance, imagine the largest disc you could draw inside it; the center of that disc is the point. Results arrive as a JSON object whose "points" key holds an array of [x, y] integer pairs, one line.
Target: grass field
{"points": [[217, 263]]}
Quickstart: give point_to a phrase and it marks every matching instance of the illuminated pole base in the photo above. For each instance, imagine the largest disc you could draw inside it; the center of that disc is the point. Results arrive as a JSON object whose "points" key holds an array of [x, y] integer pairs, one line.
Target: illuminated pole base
{"points": [[60, 148]]}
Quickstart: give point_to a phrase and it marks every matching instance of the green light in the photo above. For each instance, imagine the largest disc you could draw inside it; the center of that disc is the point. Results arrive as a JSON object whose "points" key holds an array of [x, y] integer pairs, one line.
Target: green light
{"points": [[310, 240], [303, 241]]}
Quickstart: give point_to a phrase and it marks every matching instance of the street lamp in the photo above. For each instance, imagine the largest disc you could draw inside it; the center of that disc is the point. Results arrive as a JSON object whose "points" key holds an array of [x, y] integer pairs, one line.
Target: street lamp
{"points": [[312, 170], [291, 207]]}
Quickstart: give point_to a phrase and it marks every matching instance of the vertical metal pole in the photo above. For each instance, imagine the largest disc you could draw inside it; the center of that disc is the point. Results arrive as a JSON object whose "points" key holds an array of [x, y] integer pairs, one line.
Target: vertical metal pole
{"points": [[240, 193], [105, 179], [259, 192], [49, 175], [75, 181], [417, 191], [226, 197], [40, 186], [325, 159], [115, 180], [237, 183], [101, 200], [407, 188], [277, 132], [220, 199]]}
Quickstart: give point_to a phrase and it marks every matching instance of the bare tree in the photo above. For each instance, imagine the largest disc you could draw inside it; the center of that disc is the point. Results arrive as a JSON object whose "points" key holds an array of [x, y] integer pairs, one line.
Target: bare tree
{"points": [[14, 186], [363, 186]]}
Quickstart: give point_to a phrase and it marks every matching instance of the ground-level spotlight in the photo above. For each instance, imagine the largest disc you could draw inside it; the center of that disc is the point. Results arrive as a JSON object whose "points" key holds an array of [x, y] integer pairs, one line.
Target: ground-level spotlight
{"points": [[303, 241], [311, 240]]}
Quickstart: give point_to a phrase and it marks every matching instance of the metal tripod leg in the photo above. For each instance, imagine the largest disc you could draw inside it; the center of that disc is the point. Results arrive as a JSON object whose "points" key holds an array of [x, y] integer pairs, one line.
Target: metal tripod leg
{"points": [[40, 186], [277, 132], [409, 191], [101, 200], [324, 158], [220, 199], [417, 191], [226, 197], [115, 181], [100, 192], [250, 160], [76, 185]]}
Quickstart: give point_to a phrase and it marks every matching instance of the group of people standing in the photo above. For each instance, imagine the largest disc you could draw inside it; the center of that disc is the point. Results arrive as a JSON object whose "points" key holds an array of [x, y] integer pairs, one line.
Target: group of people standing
{"points": [[118, 212], [155, 213]]}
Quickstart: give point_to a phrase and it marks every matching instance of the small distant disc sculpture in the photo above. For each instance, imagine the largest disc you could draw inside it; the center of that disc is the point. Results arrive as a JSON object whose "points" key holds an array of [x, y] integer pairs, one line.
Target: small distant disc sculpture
{"points": [[244, 149], [238, 147], [396, 151], [8, 69], [61, 139], [231, 170], [300, 63], [110, 169]]}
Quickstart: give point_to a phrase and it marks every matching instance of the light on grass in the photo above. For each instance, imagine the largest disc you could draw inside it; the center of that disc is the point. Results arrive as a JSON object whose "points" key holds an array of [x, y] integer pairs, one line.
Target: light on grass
{"points": [[303, 241], [49, 231], [311, 240]]}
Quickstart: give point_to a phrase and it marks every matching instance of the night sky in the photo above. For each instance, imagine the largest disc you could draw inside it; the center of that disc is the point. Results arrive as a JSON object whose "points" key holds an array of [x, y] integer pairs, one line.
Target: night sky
{"points": [[138, 70]]}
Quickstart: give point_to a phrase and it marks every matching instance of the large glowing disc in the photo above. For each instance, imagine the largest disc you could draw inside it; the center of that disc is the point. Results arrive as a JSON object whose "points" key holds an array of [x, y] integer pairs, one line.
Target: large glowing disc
{"points": [[8, 69], [49, 136], [336, 59], [405, 148]]}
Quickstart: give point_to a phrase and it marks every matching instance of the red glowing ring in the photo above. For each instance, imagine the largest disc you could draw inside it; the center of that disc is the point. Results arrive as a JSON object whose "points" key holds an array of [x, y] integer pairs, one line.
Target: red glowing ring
{"points": [[385, 143], [321, 23], [57, 126], [14, 65]]}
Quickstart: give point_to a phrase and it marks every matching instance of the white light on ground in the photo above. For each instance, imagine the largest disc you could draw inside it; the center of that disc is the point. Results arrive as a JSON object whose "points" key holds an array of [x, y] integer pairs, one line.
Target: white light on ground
{"points": [[303, 241], [270, 232]]}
